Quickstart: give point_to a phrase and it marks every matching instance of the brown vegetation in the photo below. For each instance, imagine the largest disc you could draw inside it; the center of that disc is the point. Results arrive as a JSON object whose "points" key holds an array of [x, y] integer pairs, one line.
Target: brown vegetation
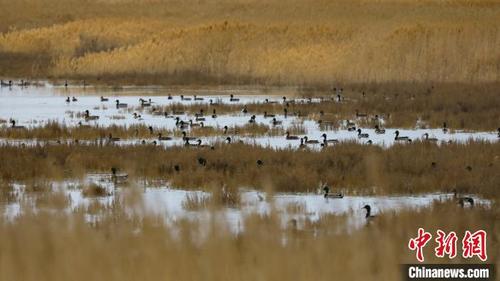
{"points": [[119, 247], [400, 104], [248, 41], [353, 168]]}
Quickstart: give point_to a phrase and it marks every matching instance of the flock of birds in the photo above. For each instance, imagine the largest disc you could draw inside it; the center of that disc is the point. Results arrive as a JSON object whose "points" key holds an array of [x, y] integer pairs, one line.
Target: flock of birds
{"points": [[201, 117]]}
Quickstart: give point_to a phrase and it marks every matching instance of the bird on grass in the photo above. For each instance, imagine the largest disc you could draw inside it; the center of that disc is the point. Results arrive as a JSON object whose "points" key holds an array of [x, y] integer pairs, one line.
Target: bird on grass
{"points": [[368, 215], [327, 193]]}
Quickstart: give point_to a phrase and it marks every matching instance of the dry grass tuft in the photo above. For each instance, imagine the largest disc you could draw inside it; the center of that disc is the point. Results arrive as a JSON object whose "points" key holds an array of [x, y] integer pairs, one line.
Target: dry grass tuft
{"points": [[409, 169]]}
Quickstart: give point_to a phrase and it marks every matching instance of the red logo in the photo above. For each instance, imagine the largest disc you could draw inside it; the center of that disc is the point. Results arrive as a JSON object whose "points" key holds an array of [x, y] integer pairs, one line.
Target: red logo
{"points": [[447, 244], [419, 243], [473, 244]]}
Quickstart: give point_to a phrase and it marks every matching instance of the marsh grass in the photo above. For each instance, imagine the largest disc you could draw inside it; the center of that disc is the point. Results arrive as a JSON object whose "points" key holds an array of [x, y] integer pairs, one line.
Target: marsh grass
{"points": [[94, 190], [462, 106], [67, 247], [196, 201], [353, 168], [251, 42], [55, 131]]}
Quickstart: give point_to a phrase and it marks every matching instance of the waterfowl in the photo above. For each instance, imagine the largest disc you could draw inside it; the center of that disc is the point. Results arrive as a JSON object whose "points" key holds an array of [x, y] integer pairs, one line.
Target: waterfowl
{"points": [[302, 145], [177, 168], [214, 114], [290, 137], [120, 105], [244, 110], [156, 112], [200, 114], [360, 114], [339, 98], [285, 112], [184, 98], [398, 138], [351, 129], [268, 115], [228, 140], [369, 142], [202, 161], [103, 99], [202, 124], [252, 119], [463, 200], [180, 124], [198, 118], [270, 102], [349, 123], [151, 131], [308, 141], [368, 212], [213, 103], [225, 128], [66, 84], [185, 137], [445, 127], [74, 99], [362, 136], [426, 138], [137, 116], [89, 117], [192, 124], [14, 126], [162, 138], [233, 99], [378, 130], [198, 98], [276, 122], [3, 84], [199, 144], [145, 103], [327, 193], [325, 140], [117, 177], [81, 125], [68, 100], [260, 162], [113, 139]]}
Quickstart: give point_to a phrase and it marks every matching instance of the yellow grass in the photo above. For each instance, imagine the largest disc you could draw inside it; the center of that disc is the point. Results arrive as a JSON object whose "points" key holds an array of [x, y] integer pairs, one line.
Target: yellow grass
{"points": [[249, 41], [350, 168], [64, 247]]}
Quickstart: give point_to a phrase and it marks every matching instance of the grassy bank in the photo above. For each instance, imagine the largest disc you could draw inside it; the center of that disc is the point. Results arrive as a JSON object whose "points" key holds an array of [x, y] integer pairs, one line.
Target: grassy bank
{"points": [[252, 42], [352, 168], [60, 247]]}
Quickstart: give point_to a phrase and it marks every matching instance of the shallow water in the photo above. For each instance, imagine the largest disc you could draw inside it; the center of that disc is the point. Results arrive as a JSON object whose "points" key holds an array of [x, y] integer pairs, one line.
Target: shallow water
{"points": [[36, 106], [168, 203]]}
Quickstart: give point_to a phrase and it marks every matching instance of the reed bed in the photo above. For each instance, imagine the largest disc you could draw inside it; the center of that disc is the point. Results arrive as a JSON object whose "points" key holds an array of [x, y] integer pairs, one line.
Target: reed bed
{"points": [[348, 167], [56, 131], [48, 246], [461, 106], [252, 42]]}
